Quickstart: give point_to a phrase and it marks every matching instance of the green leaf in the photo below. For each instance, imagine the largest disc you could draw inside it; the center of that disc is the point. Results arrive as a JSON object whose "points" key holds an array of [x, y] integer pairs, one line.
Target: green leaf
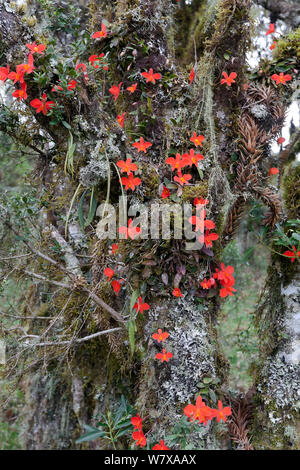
{"points": [[131, 334], [94, 433], [67, 125], [92, 210], [80, 210]]}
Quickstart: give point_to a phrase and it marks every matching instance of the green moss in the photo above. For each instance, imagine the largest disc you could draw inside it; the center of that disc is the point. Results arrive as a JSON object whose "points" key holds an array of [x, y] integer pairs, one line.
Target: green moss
{"points": [[291, 190], [289, 46], [198, 190]]}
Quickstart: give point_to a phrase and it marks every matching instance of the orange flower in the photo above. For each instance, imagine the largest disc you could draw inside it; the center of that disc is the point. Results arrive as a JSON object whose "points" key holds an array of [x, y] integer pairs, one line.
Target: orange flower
{"points": [[28, 68], [280, 140], [273, 171], [199, 412], [116, 285], [160, 446], [227, 290], [21, 94], [140, 438], [17, 76], [43, 105], [36, 48], [192, 76], [109, 273], [131, 182], [164, 356], [136, 421], [177, 293], [221, 412], [151, 77], [271, 29], [127, 167], [273, 45], [182, 179], [292, 254], [132, 88], [225, 275], [192, 158], [4, 72], [120, 119], [208, 238], [197, 139], [200, 201], [140, 306], [100, 34], [207, 284], [165, 193], [176, 163], [160, 336], [281, 78], [200, 222], [228, 79], [142, 146], [131, 231], [115, 90]]}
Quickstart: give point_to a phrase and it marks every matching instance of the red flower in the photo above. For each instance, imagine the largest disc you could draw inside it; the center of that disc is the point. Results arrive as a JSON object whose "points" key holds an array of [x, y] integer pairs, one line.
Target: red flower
{"points": [[273, 171], [192, 76], [228, 79], [17, 76], [120, 119], [182, 179], [36, 48], [176, 163], [131, 182], [57, 88], [160, 446], [273, 45], [200, 201], [115, 90], [81, 66], [21, 94], [100, 34], [96, 60], [221, 412], [4, 72], [127, 167], [72, 85], [131, 231], [151, 77], [225, 275], [43, 105], [271, 29], [280, 140], [165, 193], [200, 222], [160, 336], [292, 254], [136, 421], [132, 88], [142, 146], [28, 68], [164, 356], [207, 284], [208, 238], [177, 293], [109, 273], [116, 285], [281, 78], [140, 306], [197, 139], [114, 248], [227, 290], [192, 158], [139, 437], [199, 412]]}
